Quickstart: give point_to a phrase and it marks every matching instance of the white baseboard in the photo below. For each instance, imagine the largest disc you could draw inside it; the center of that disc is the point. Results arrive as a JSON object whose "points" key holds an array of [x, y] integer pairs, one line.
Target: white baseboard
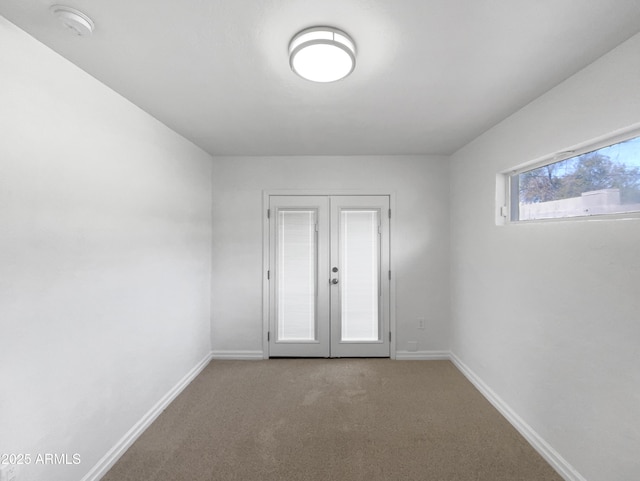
{"points": [[564, 469], [238, 355], [422, 355], [109, 459]]}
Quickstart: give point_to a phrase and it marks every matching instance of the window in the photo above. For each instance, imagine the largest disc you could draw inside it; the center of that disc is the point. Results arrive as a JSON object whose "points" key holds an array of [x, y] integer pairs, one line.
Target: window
{"points": [[594, 182]]}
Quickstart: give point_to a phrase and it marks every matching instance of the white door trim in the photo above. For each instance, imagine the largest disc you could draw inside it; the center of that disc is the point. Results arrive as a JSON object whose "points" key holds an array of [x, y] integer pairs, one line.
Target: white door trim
{"points": [[265, 254]]}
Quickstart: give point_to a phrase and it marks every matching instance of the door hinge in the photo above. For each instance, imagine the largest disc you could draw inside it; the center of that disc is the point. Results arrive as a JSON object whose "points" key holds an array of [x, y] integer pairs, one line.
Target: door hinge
{"points": [[389, 213], [268, 275], [268, 213], [268, 336], [389, 336], [389, 275]]}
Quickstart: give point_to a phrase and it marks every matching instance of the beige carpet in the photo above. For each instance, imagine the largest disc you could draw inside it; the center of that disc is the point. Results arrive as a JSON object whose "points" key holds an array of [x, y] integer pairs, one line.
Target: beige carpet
{"points": [[331, 419]]}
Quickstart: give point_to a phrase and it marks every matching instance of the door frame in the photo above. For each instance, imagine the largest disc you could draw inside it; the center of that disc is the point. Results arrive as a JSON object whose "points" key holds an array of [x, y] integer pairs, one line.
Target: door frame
{"points": [[265, 255]]}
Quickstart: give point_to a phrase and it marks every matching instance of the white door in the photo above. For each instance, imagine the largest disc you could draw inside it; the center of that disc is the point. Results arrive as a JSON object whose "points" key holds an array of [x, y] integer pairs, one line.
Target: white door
{"points": [[329, 276]]}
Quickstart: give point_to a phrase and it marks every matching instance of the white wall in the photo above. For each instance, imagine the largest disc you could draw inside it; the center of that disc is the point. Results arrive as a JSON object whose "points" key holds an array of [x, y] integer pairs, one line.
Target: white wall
{"points": [[105, 234], [419, 256], [548, 314]]}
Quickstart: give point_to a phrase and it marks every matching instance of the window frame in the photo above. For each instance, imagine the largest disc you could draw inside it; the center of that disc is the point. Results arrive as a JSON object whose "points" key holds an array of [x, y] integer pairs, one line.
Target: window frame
{"points": [[509, 181]]}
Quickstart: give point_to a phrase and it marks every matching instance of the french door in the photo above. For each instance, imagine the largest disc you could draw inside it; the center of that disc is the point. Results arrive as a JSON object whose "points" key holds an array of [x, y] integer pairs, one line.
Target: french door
{"points": [[328, 276]]}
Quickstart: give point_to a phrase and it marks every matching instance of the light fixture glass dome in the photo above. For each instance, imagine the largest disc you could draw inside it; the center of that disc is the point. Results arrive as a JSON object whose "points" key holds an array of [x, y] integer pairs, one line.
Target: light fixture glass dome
{"points": [[322, 54]]}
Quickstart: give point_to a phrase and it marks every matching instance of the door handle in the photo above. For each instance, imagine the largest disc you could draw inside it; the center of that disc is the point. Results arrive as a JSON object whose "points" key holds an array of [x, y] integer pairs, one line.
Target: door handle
{"points": [[334, 281]]}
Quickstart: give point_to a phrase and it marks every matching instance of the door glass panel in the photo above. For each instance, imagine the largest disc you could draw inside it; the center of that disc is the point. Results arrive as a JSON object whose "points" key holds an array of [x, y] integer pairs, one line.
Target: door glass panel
{"points": [[360, 274], [296, 275]]}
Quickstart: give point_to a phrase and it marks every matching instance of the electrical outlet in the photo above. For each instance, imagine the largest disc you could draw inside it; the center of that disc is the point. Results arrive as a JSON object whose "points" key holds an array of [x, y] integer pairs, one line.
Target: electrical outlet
{"points": [[421, 322], [8, 472]]}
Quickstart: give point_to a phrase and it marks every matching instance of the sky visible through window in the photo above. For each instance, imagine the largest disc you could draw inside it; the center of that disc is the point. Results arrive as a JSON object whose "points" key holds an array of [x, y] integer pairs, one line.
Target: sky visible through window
{"points": [[603, 181], [613, 167], [627, 152]]}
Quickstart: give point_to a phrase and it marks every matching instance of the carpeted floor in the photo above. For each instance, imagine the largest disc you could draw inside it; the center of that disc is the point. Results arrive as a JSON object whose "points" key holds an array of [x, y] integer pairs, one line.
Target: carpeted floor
{"points": [[331, 419]]}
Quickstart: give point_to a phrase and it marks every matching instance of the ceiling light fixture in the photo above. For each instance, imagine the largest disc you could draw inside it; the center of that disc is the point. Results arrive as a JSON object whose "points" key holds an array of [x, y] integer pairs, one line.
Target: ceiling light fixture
{"points": [[76, 21], [322, 54]]}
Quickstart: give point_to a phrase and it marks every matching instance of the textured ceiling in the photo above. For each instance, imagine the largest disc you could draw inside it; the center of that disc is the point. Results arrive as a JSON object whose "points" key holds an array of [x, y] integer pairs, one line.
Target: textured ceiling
{"points": [[431, 75]]}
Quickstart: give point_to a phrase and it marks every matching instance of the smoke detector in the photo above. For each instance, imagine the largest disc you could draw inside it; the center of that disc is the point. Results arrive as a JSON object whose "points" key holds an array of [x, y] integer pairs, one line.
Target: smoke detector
{"points": [[76, 21]]}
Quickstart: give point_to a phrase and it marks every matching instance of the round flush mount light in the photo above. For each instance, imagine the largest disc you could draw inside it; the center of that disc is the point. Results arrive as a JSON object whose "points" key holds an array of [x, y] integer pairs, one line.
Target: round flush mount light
{"points": [[322, 54], [76, 21]]}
